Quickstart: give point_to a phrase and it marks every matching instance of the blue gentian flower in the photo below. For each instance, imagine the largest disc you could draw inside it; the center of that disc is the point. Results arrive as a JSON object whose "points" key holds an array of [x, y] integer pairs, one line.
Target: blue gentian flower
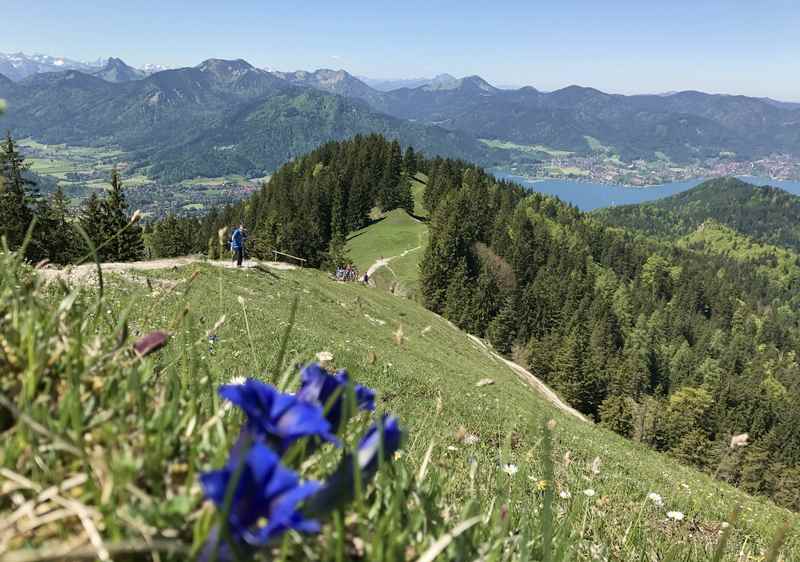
{"points": [[340, 487], [380, 439], [266, 498], [279, 419], [318, 387]]}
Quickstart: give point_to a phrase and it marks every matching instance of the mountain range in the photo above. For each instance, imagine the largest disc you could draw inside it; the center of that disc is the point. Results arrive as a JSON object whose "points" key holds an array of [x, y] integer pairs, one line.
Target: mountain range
{"points": [[236, 118], [220, 117], [18, 66]]}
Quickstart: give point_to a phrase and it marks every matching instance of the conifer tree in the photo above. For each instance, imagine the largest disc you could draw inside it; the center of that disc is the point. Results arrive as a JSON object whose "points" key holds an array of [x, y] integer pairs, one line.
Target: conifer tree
{"points": [[15, 194], [106, 222], [390, 180], [61, 241], [92, 220], [410, 162], [129, 244]]}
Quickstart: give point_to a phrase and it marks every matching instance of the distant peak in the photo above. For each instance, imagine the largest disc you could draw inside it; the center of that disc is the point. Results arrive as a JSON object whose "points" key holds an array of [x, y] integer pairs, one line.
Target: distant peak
{"points": [[447, 82], [222, 65]]}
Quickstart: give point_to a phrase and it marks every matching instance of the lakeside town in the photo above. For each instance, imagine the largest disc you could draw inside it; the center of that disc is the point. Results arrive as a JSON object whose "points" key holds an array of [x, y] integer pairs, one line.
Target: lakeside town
{"points": [[601, 168]]}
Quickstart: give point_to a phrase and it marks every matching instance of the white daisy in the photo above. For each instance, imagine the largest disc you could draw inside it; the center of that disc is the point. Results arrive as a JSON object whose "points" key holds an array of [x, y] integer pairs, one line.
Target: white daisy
{"points": [[564, 494], [656, 499], [675, 515], [589, 492], [470, 439], [510, 469]]}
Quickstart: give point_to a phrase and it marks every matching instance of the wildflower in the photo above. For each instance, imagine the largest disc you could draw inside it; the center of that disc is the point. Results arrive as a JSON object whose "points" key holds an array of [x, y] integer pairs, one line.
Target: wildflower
{"points": [[150, 343], [325, 358], [373, 444], [564, 494], [452, 448], [589, 493], [740, 440], [471, 439], [399, 335], [510, 469], [656, 499], [280, 419], [320, 388], [541, 485], [265, 491], [675, 515]]}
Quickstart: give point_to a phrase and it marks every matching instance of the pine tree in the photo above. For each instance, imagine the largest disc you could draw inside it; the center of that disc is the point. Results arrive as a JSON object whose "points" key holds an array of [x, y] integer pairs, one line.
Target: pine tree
{"points": [[106, 222], [15, 194], [92, 219], [410, 162], [502, 330], [129, 244], [60, 240], [390, 180], [404, 197]]}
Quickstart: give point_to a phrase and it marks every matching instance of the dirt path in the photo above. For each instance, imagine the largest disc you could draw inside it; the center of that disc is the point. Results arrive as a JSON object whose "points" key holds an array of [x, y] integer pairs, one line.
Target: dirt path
{"points": [[384, 262], [545, 391], [86, 273]]}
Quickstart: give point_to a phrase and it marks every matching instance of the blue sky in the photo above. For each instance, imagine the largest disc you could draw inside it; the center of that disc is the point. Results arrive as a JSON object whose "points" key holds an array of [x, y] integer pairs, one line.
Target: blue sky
{"points": [[733, 46]]}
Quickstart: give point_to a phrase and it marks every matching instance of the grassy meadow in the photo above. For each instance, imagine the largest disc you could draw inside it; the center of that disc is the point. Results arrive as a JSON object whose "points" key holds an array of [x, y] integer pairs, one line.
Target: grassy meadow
{"points": [[101, 449]]}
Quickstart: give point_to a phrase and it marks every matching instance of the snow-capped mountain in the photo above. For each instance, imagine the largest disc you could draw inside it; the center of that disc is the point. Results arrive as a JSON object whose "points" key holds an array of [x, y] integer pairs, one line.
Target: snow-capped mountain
{"points": [[19, 65]]}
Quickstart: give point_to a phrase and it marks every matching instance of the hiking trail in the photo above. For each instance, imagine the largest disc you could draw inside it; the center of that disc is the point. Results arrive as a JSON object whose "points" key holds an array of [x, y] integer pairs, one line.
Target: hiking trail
{"points": [[384, 262], [87, 272]]}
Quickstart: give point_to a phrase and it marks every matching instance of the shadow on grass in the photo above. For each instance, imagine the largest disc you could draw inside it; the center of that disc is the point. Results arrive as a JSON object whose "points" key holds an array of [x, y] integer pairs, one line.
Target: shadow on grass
{"points": [[370, 223]]}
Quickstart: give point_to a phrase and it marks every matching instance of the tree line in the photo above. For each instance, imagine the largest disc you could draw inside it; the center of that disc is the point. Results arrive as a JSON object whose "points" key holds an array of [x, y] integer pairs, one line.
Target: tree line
{"points": [[307, 207], [49, 229]]}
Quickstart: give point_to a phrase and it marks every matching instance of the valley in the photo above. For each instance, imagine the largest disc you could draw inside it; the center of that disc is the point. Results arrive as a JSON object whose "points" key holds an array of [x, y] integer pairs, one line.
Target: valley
{"points": [[257, 314]]}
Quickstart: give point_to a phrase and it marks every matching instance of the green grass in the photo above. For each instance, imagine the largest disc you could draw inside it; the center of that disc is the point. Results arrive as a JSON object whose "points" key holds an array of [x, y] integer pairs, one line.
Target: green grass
{"points": [[395, 234], [149, 426]]}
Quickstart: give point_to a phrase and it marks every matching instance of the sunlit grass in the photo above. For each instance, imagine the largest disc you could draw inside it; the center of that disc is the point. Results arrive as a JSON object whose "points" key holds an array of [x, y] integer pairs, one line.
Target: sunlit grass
{"points": [[125, 437]]}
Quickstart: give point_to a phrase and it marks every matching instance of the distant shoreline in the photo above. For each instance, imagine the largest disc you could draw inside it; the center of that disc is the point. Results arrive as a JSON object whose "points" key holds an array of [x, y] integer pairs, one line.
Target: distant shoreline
{"points": [[504, 174]]}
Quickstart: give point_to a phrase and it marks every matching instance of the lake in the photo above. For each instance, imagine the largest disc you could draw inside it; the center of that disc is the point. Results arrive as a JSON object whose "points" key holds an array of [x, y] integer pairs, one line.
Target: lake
{"points": [[588, 196]]}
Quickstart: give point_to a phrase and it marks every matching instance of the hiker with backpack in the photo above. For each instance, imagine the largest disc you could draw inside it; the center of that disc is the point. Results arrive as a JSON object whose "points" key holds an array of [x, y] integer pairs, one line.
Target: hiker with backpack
{"points": [[237, 244]]}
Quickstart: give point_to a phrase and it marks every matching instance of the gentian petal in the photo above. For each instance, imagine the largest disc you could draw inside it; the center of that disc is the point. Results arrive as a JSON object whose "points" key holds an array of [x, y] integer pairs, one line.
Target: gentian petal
{"points": [[265, 490], [327, 391], [276, 418], [370, 446]]}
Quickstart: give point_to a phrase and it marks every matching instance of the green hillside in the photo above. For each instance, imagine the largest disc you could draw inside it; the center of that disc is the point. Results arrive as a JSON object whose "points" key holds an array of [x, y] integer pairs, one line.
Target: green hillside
{"points": [[424, 370], [766, 214], [397, 237]]}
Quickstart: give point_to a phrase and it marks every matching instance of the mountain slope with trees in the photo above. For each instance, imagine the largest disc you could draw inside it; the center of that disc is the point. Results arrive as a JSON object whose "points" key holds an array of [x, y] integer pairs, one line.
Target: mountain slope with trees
{"points": [[765, 214], [670, 344], [217, 118]]}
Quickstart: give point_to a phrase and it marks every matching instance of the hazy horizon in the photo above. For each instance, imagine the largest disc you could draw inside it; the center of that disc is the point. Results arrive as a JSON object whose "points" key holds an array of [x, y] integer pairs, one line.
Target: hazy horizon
{"points": [[624, 47]]}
